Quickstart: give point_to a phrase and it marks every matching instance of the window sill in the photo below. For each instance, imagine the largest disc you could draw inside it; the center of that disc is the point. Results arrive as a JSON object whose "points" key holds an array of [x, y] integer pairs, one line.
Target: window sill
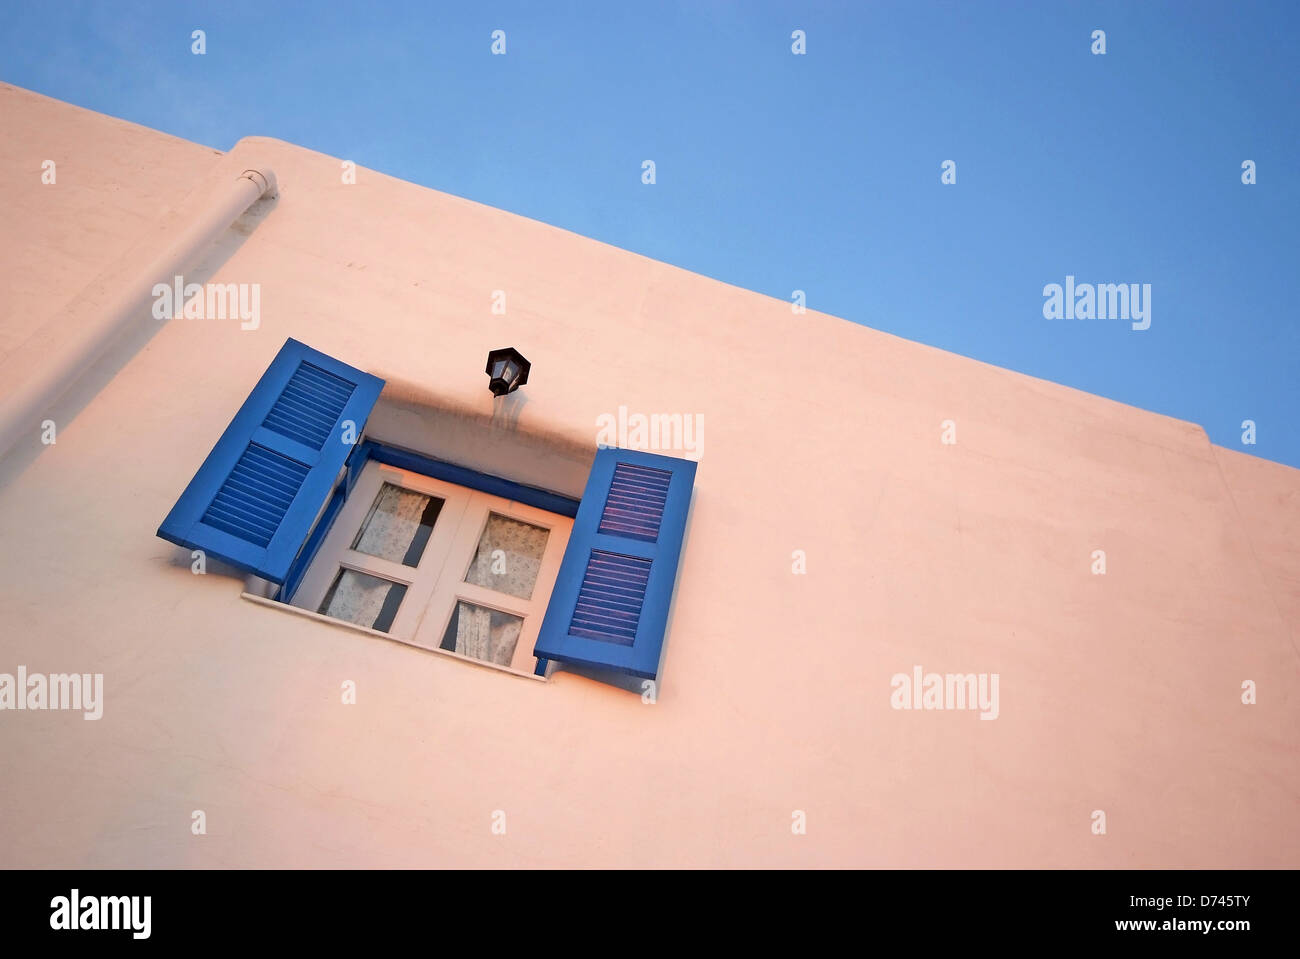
{"points": [[308, 614]]}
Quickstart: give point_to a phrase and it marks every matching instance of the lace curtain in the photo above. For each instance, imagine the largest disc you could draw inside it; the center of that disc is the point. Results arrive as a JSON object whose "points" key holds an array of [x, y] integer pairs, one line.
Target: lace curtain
{"points": [[514, 569], [393, 524], [360, 598], [485, 634]]}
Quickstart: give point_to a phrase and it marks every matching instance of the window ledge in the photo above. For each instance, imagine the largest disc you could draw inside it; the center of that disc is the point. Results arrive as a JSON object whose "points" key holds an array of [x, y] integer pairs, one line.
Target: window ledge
{"points": [[308, 614]]}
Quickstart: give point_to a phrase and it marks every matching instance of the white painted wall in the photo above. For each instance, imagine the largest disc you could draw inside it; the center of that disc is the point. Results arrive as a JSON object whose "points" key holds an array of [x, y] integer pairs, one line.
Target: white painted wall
{"points": [[1118, 692]]}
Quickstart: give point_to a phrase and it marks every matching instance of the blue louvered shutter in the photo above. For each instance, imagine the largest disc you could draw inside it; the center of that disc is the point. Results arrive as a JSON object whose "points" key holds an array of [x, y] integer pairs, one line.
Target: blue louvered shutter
{"points": [[609, 608], [255, 498]]}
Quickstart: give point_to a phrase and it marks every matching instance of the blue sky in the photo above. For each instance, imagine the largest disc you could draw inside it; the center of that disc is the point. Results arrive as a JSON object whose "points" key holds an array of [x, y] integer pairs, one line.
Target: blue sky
{"points": [[819, 172]]}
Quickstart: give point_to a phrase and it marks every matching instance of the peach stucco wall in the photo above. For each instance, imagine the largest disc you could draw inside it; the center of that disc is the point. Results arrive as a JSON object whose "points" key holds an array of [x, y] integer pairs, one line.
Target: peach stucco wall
{"points": [[1119, 692], [112, 180]]}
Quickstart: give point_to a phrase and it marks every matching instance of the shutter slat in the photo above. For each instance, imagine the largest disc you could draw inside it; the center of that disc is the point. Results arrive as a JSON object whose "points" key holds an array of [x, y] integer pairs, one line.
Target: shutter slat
{"points": [[244, 509], [308, 407], [609, 607], [635, 504], [253, 503]]}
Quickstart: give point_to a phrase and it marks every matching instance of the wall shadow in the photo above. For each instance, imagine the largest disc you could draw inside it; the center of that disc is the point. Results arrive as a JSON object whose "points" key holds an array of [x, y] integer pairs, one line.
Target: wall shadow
{"points": [[70, 404]]}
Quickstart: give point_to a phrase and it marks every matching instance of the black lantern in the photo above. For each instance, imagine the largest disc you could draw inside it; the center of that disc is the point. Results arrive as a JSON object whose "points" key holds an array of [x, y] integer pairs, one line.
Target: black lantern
{"points": [[508, 371]]}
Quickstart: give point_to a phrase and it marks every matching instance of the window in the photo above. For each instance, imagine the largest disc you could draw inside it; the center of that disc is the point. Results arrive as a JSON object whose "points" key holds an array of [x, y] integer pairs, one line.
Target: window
{"points": [[438, 565], [432, 553]]}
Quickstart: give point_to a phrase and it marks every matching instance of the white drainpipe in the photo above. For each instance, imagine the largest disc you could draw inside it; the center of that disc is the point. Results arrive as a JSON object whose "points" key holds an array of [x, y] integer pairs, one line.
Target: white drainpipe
{"points": [[49, 362]]}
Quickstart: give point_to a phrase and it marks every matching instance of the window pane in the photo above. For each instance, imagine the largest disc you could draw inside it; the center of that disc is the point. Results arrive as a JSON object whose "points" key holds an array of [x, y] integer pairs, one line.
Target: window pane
{"points": [[363, 599], [508, 557], [486, 634], [398, 525]]}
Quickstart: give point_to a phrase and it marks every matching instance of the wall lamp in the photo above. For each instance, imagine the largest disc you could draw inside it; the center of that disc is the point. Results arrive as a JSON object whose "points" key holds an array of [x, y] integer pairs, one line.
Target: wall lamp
{"points": [[507, 369]]}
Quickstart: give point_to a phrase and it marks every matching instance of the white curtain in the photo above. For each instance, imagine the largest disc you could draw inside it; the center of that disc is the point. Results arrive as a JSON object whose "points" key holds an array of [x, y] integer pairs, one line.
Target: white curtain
{"points": [[478, 636], [392, 523], [509, 556], [357, 598]]}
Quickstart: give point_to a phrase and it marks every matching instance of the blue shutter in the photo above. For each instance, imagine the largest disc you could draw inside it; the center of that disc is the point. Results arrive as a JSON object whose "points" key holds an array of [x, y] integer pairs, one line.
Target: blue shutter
{"points": [[255, 498], [609, 608]]}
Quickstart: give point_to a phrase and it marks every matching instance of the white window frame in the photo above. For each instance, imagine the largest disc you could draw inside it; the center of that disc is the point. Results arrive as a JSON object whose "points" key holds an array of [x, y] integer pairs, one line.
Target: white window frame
{"points": [[451, 586], [435, 586]]}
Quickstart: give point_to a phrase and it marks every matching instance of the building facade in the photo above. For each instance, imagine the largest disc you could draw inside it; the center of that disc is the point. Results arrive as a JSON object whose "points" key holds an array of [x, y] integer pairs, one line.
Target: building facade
{"points": [[908, 609]]}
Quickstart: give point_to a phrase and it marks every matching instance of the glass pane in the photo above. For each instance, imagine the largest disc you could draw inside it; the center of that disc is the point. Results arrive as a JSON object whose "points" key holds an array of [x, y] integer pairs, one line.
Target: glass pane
{"points": [[508, 557], [363, 599], [485, 634], [398, 525]]}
